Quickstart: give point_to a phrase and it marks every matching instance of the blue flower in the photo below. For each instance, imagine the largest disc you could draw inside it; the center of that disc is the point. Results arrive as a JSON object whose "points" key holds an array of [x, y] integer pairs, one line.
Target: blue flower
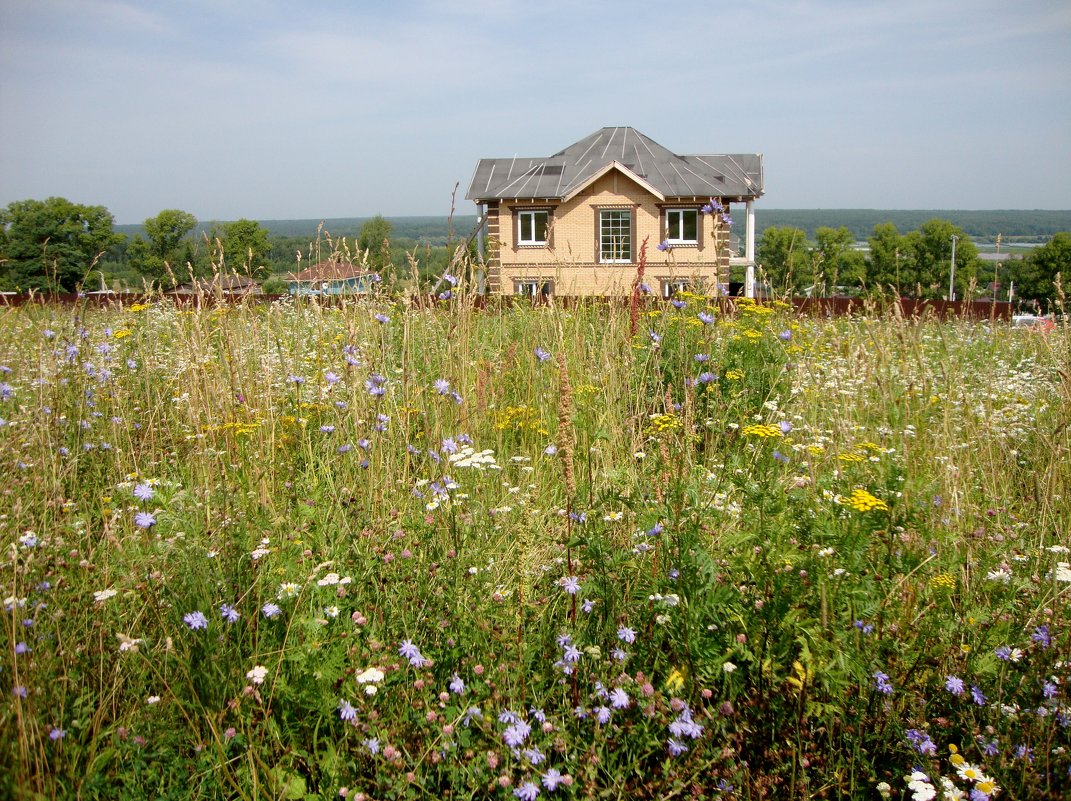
{"points": [[954, 684], [346, 711], [528, 791], [229, 613], [271, 610], [676, 747], [412, 653], [442, 386], [619, 699], [571, 585], [663, 246], [382, 318], [457, 685], [881, 683], [195, 620], [625, 634], [551, 779], [542, 355], [143, 492], [706, 317], [144, 520], [977, 696]]}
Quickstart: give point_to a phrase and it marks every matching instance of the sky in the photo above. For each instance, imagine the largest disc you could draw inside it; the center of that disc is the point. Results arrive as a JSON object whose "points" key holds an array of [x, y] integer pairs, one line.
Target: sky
{"points": [[345, 108]]}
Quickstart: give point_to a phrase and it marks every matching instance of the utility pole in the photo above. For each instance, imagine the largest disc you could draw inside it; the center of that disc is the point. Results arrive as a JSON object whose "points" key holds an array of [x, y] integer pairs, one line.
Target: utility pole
{"points": [[996, 270], [952, 275]]}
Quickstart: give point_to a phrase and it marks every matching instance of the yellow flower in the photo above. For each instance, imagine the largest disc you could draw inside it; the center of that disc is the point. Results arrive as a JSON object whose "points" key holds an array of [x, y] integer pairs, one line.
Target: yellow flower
{"points": [[139, 307], [763, 431], [734, 375], [675, 680], [122, 333], [944, 581], [664, 423], [863, 501]]}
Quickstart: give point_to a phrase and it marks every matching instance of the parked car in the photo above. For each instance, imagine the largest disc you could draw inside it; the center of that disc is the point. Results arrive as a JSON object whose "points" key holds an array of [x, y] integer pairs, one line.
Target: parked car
{"points": [[1033, 322]]}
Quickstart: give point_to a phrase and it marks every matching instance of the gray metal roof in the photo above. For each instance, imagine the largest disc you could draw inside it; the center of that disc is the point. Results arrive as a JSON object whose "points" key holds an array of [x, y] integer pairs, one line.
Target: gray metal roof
{"points": [[560, 176]]}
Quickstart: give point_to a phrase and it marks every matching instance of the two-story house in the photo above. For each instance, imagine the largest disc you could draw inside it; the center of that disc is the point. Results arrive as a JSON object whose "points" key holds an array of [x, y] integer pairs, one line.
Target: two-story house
{"points": [[573, 223]]}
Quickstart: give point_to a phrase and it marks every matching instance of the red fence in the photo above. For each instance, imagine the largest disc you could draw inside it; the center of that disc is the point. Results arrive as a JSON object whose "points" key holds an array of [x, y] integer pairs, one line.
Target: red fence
{"points": [[824, 307]]}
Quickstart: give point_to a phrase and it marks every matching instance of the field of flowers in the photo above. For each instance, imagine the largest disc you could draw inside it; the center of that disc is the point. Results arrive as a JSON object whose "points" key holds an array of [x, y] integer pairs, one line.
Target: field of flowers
{"points": [[374, 551]]}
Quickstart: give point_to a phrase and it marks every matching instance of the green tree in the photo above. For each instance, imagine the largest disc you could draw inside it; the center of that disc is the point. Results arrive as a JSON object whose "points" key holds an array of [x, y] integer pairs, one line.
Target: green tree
{"points": [[784, 258], [245, 247], [374, 237], [932, 252], [53, 243], [836, 258], [891, 262], [1035, 274], [165, 247]]}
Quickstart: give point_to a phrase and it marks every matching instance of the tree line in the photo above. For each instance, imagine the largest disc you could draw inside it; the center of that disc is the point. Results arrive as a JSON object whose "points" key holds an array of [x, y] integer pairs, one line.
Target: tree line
{"points": [[917, 264], [58, 245]]}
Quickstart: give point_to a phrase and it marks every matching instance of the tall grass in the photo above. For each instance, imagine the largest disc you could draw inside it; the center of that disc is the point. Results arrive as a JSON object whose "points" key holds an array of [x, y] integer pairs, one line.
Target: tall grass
{"points": [[448, 552]]}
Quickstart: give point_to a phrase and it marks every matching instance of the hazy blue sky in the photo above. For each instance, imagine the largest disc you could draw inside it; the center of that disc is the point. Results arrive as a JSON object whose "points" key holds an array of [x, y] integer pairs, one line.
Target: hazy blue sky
{"points": [[336, 108]]}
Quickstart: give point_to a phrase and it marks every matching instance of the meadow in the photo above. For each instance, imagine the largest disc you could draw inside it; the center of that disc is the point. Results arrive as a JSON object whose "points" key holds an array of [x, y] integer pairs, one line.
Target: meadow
{"points": [[379, 551]]}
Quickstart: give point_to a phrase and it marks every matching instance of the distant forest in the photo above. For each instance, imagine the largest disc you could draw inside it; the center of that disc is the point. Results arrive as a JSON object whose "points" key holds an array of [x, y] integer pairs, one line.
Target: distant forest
{"points": [[1014, 224]]}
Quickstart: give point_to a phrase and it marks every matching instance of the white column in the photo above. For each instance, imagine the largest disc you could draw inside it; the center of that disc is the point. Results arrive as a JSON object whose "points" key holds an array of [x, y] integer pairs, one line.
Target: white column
{"points": [[749, 250]]}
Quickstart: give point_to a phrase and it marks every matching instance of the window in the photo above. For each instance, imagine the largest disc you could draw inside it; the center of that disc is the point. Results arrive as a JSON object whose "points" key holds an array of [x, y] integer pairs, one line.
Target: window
{"points": [[532, 227], [671, 286], [682, 226], [615, 236], [533, 289]]}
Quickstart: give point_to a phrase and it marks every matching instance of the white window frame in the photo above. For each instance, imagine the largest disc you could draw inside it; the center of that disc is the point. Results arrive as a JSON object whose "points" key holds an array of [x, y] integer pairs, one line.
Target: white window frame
{"points": [[607, 244], [526, 224], [676, 237], [671, 286], [527, 288]]}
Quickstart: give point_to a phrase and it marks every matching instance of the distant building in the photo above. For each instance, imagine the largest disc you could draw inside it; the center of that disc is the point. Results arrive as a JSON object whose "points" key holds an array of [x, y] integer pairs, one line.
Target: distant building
{"points": [[332, 277], [573, 223]]}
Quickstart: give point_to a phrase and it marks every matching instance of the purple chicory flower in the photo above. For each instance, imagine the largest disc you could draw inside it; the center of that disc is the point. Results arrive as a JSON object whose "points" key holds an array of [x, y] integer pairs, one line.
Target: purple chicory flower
{"points": [[977, 696], [619, 698], [663, 246], [442, 386], [625, 634], [412, 653], [195, 620], [551, 779], [346, 711], [571, 584], [542, 355], [144, 520], [528, 791], [706, 318], [143, 492], [955, 685], [881, 683], [229, 613]]}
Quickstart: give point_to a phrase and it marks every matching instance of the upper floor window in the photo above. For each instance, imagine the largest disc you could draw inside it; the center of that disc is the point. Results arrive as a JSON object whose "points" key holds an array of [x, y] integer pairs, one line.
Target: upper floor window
{"points": [[682, 226], [532, 227], [615, 236]]}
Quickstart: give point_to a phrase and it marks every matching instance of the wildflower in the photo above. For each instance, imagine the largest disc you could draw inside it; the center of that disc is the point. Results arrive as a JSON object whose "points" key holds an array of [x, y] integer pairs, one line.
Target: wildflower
{"points": [[602, 714], [534, 755], [707, 377], [195, 620], [619, 699], [663, 246], [570, 584], [527, 792], [100, 596], [1049, 690], [229, 613], [143, 492], [954, 685], [728, 667], [56, 733], [542, 355], [676, 747], [144, 520], [785, 335], [288, 589], [257, 674], [625, 634], [706, 318], [572, 654], [22, 648], [587, 606], [442, 386], [515, 735], [457, 685], [1041, 636], [346, 711], [881, 683], [551, 779], [977, 696], [381, 318], [271, 610], [372, 745], [412, 653]]}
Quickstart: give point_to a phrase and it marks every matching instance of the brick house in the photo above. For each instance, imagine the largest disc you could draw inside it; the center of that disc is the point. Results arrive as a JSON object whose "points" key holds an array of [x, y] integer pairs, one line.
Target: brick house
{"points": [[573, 223], [332, 277]]}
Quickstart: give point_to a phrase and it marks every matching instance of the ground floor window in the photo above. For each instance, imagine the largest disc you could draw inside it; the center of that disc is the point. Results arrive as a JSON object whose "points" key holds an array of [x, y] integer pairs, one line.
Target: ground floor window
{"points": [[533, 288], [671, 286]]}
